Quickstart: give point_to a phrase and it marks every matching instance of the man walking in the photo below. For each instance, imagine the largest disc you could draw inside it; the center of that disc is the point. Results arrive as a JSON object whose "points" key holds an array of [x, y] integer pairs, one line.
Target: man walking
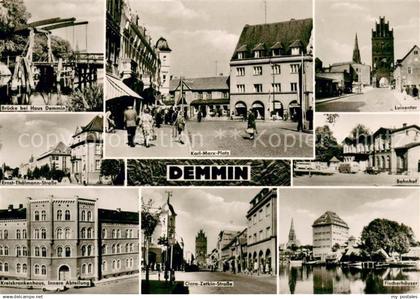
{"points": [[130, 121]]}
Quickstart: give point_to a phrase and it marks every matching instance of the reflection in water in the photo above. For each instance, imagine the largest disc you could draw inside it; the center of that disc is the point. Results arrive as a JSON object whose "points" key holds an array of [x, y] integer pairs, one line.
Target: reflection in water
{"points": [[338, 280]]}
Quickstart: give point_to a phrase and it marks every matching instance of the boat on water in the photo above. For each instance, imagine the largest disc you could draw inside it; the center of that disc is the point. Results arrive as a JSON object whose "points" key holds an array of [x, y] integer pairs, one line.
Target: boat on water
{"points": [[357, 265]]}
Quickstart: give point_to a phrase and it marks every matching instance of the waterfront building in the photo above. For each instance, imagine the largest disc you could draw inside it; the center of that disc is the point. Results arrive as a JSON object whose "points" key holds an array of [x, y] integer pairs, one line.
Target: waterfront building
{"points": [[329, 229], [262, 232], [57, 239]]}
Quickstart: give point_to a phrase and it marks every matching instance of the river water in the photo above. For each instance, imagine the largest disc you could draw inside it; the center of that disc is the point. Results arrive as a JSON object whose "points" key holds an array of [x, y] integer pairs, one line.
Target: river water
{"points": [[337, 280]]}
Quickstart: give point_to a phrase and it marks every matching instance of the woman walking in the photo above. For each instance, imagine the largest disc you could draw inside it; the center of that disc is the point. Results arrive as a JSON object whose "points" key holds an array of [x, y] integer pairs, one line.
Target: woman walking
{"points": [[146, 124], [252, 125], [180, 126]]}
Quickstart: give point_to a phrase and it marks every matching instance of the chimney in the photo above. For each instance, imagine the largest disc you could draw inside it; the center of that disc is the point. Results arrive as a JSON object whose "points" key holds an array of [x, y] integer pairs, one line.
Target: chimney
{"points": [[404, 125], [20, 206], [10, 208], [119, 210]]}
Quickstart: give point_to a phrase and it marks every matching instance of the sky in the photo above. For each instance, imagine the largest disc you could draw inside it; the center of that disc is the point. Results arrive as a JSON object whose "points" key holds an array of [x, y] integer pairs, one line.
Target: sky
{"points": [[92, 11], [357, 207], [346, 122], [337, 22], [127, 197], [212, 210], [201, 32], [22, 135]]}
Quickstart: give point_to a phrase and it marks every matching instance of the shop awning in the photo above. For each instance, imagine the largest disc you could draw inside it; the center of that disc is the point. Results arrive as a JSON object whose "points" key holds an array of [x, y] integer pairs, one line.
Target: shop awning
{"points": [[257, 105], [115, 88]]}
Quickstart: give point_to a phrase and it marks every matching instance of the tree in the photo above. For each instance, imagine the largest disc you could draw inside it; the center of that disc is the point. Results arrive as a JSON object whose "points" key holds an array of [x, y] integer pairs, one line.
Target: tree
{"points": [[114, 169], [336, 247], [36, 173], [13, 14], [88, 99], [326, 145], [387, 235], [359, 130], [149, 221]]}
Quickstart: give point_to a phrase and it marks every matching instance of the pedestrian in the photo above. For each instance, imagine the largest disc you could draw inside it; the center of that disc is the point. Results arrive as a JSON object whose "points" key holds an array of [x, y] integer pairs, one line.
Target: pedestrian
{"points": [[299, 119], [256, 267], [130, 122], [158, 270], [158, 118], [180, 126], [199, 115], [252, 125], [174, 117], [110, 123], [310, 117], [146, 124]]}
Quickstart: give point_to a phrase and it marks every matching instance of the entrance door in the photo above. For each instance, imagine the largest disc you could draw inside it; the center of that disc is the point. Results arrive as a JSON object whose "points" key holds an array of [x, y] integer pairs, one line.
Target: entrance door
{"points": [[64, 273]]}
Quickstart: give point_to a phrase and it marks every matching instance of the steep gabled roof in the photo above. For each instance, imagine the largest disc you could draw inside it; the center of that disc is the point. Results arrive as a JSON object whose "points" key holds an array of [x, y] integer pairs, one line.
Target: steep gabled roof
{"points": [[59, 149], [11, 214], [406, 55], [330, 218], [283, 34], [117, 216], [95, 125], [204, 83]]}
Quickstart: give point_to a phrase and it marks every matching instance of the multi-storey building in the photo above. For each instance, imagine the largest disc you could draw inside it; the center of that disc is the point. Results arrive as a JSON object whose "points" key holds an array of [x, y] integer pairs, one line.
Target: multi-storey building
{"points": [[236, 251], [382, 54], [133, 64], [262, 232], [328, 230], [58, 239], [87, 152], [394, 150], [210, 95], [407, 72], [58, 157], [224, 239], [201, 249], [164, 53], [271, 69]]}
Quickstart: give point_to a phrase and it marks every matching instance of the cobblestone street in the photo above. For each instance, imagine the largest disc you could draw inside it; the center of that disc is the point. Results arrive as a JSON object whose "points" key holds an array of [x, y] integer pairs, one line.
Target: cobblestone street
{"points": [[274, 139]]}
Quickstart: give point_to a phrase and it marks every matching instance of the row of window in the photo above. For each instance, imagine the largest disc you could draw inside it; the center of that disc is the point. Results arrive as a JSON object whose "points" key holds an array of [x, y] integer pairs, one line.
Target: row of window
{"points": [[275, 70], [117, 234], [117, 248], [261, 235], [259, 216], [262, 54], [258, 88], [208, 95], [116, 264], [85, 215], [86, 233]]}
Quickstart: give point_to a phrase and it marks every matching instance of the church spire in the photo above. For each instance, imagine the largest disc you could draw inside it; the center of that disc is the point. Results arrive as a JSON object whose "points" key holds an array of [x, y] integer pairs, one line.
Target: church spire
{"points": [[356, 52], [292, 235]]}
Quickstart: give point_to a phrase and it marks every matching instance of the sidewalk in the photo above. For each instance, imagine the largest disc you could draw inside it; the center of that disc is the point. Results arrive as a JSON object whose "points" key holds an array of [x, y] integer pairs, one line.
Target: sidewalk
{"points": [[406, 101], [325, 100], [115, 279]]}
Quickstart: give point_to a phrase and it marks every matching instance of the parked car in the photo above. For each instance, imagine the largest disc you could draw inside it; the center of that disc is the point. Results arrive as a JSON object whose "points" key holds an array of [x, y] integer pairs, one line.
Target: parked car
{"points": [[372, 170]]}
